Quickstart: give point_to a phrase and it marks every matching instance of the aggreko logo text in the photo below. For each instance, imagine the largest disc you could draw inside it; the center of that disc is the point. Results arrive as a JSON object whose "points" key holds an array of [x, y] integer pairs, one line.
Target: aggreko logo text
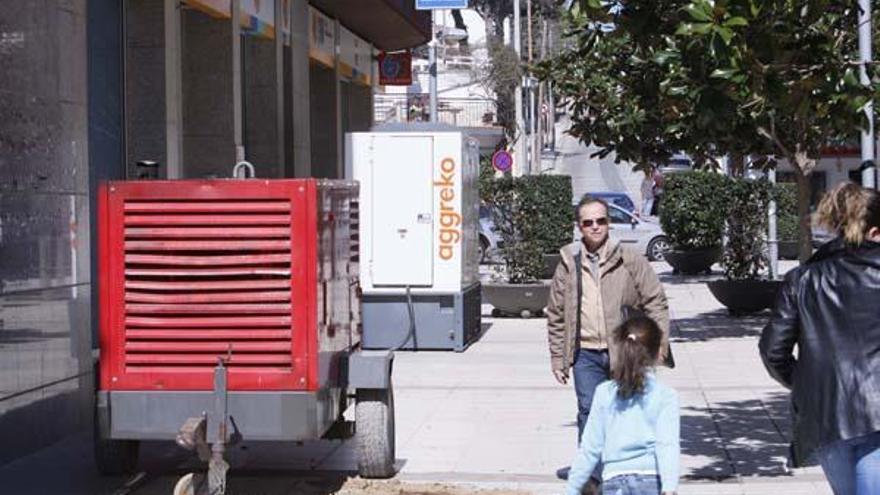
{"points": [[450, 220]]}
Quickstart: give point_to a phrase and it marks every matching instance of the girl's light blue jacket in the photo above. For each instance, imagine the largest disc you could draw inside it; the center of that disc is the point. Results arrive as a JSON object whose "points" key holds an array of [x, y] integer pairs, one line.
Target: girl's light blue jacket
{"points": [[638, 435]]}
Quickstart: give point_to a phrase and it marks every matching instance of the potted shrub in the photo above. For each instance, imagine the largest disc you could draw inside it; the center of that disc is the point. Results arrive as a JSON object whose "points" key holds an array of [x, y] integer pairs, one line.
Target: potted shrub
{"points": [[549, 199], [692, 214], [746, 288], [787, 220], [523, 223]]}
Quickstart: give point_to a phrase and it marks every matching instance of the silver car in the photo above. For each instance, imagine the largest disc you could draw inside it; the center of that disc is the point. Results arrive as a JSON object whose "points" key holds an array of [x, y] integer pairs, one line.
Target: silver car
{"points": [[640, 234]]}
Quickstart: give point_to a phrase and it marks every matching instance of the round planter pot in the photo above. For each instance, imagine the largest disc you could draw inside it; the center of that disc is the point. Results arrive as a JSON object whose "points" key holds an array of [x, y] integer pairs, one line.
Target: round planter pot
{"points": [[517, 299], [550, 262], [693, 262], [788, 250], [745, 296]]}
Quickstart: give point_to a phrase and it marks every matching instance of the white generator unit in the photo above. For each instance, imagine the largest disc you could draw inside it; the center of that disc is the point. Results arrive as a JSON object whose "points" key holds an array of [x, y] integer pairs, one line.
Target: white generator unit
{"points": [[419, 256]]}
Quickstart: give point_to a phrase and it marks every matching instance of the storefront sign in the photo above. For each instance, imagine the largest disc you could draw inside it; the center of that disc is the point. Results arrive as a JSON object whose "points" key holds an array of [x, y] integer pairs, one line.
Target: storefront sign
{"points": [[354, 57], [285, 21], [221, 9], [258, 18], [322, 38], [395, 68]]}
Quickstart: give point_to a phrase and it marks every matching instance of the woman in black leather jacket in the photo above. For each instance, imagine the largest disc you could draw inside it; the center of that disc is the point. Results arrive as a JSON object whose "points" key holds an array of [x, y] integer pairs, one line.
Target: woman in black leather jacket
{"points": [[830, 309]]}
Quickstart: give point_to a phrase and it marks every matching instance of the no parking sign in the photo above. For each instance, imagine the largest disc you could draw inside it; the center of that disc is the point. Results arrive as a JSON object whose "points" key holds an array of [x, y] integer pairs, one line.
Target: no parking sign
{"points": [[502, 161], [395, 69]]}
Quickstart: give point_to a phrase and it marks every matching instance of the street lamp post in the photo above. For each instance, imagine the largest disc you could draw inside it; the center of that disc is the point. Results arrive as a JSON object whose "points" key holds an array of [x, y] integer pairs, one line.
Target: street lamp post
{"points": [[432, 71], [869, 178], [520, 158]]}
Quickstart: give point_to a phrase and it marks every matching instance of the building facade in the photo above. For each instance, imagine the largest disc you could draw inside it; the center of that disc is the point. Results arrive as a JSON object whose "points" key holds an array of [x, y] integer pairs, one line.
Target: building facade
{"points": [[90, 88]]}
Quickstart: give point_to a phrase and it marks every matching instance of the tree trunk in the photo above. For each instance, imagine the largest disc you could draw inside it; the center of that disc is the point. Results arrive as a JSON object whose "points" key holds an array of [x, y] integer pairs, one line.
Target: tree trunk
{"points": [[736, 165], [805, 232]]}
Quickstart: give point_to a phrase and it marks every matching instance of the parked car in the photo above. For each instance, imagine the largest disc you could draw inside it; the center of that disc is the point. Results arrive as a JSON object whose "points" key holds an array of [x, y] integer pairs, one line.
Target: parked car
{"points": [[616, 198], [490, 239], [645, 236], [678, 163]]}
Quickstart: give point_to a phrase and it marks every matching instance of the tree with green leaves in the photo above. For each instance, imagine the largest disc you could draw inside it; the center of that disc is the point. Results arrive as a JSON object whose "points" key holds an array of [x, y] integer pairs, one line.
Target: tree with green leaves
{"points": [[713, 78]]}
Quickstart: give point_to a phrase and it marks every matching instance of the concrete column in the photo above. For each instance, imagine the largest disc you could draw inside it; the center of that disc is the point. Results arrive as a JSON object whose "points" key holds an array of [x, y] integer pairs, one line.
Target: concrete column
{"points": [[340, 135], [144, 88], [279, 87], [299, 97], [173, 91], [237, 124], [208, 117]]}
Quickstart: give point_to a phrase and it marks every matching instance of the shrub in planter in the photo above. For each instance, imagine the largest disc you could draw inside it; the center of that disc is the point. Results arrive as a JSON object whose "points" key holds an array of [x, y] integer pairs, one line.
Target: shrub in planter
{"points": [[692, 213], [547, 200], [744, 256], [786, 220], [746, 288], [694, 209], [533, 215]]}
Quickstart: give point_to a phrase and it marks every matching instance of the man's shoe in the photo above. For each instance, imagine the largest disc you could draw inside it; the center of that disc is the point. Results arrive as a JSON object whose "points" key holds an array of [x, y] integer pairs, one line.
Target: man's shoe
{"points": [[562, 473]]}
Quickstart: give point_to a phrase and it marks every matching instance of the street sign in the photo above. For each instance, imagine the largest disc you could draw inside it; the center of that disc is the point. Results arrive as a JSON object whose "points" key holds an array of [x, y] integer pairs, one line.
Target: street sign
{"points": [[395, 69], [441, 4], [502, 161]]}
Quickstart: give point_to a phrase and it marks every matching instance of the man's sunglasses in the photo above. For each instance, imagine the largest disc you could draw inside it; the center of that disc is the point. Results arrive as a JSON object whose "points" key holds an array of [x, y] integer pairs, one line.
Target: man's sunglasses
{"points": [[587, 222]]}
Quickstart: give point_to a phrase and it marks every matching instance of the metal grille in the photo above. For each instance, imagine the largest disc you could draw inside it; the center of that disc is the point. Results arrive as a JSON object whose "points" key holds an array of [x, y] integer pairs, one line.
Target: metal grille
{"points": [[204, 279]]}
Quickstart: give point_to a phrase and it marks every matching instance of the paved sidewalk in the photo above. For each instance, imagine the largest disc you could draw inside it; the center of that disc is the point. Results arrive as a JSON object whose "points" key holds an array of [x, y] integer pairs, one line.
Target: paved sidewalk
{"points": [[493, 417]]}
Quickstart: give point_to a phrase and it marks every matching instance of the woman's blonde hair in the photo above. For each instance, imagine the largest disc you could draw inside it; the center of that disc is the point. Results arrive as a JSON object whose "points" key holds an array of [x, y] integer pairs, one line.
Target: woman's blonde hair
{"points": [[845, 210]]}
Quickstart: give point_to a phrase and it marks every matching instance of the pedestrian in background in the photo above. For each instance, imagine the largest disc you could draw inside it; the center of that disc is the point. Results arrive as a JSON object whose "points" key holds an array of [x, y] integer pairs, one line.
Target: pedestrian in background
{"points": [[596, 281], [828, 309], [634, 423], [647, 191], [659, 182]]}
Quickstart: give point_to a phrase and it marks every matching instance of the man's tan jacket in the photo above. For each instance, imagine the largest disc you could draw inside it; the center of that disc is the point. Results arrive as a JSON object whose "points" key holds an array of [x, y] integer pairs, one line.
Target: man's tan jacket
{"points": [[626, 279]]}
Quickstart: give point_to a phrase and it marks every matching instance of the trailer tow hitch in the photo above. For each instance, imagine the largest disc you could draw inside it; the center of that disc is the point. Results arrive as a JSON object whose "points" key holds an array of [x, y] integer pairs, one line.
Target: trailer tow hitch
{"points": [[194, 435]]}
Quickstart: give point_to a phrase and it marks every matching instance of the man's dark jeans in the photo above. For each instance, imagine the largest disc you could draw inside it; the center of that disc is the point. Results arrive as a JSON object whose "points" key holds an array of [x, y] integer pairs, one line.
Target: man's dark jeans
{"points": [[591, 367]]}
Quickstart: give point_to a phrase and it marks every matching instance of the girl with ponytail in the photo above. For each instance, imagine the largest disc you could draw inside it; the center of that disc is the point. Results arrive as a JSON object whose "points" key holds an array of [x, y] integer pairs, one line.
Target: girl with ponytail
{"points": [[633, 426]]}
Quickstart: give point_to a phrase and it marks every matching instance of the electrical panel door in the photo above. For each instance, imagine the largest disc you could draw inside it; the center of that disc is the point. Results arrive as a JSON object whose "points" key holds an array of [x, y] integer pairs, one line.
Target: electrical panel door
{"points": [[402, 211]]}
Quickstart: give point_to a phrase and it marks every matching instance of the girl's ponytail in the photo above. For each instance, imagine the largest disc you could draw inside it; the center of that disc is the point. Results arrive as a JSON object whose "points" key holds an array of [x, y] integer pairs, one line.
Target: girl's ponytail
{"points": [[637, 345]]}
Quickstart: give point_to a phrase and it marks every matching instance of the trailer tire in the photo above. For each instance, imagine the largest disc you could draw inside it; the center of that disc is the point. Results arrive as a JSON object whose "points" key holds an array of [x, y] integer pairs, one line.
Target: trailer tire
{"points": [[114, 457], [374, 426]]}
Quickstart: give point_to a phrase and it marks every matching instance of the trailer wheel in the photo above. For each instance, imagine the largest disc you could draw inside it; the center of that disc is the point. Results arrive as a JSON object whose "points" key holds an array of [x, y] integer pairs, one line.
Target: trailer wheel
{"points": [[113, 457], [374, 425]]}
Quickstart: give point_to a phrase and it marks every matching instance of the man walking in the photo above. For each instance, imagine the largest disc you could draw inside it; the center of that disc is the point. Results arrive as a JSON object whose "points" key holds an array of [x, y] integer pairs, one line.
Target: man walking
{"points": [[596, 282]]}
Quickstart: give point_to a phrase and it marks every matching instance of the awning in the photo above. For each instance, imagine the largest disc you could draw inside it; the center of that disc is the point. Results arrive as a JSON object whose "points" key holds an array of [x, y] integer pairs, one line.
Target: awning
{"points": [[387, 24]]}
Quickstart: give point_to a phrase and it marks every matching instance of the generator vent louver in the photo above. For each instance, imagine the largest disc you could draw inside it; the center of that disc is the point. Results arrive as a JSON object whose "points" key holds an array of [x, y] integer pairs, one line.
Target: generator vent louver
{"points": [[204, 279]]}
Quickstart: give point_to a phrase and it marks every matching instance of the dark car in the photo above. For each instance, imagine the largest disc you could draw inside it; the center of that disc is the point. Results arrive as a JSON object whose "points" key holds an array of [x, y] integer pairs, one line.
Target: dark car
{"points": [[616, 198]]}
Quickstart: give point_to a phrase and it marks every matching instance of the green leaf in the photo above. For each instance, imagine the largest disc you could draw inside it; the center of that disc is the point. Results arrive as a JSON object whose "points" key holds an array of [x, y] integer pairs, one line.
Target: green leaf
{"points": [[850, 78], [754, 8], [736, 22], [698, 12], [661, 58], [703, 28], [678, 90], [690, 28], [725, 34], [723, 73]]}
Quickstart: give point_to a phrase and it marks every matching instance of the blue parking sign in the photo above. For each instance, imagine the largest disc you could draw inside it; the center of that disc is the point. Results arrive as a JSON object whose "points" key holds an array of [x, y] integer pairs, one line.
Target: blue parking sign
{"points": [[441, 4]]}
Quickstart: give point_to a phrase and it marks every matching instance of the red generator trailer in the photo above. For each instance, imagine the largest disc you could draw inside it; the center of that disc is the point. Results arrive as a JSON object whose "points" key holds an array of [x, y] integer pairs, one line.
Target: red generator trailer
{"points": [[230, 309]]}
